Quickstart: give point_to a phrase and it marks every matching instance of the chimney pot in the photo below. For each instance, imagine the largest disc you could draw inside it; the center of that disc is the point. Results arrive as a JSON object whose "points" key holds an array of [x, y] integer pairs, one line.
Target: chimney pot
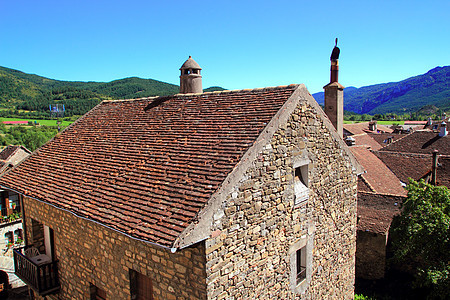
{"points": [[443, 130], [190, 78]]}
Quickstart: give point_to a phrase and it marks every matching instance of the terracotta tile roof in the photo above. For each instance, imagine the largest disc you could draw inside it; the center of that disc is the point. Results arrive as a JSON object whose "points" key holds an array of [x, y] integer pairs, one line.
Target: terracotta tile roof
{"points": [[367, 141], [405, 165], [422, 141], [146, 167], [378, 176], [359, 128], [376, 211], [363, 185], [381, 138], [8, 151], [443, 171]]}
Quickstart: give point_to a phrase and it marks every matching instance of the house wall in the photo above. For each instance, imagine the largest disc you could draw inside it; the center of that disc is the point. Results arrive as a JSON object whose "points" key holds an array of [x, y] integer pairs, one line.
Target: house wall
{"points": [[89, 253], [370, 255], [249, 253]]}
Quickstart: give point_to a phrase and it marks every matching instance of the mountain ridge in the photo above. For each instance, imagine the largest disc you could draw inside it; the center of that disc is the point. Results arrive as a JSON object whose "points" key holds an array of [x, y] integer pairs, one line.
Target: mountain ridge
{"points": [[405, 96]]}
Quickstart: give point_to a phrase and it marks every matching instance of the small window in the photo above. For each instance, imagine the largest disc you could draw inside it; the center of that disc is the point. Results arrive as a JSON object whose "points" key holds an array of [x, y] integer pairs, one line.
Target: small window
{"points": [[141, 286], [300, 254], [301, 184], [301, 264], [97, 293]]}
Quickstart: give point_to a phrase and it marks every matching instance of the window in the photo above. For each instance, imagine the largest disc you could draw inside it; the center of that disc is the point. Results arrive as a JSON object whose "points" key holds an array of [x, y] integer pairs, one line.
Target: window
{"points": [[141, 286], [301, 264], [301, 183], [97, 293], [300, 254]]}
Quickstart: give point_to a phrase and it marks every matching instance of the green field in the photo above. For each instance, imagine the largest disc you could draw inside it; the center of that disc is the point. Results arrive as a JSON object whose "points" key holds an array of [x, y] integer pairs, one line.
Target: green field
{"points": [[379, 122], [40, 122]]}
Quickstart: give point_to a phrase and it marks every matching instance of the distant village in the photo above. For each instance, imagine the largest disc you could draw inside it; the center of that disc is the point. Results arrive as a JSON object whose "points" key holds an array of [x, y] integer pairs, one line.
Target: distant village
{"points": [[245, 194]]}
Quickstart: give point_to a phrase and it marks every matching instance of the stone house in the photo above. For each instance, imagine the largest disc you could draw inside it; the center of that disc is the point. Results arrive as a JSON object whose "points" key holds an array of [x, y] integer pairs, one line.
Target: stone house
{"points": [[11, 230], [233, 194]]}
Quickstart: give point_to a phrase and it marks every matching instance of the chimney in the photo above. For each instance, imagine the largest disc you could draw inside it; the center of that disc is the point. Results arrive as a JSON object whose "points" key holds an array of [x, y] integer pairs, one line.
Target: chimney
{"points": [[334, 94], [434, 167], [389, 140], [190, 78], [443, 130], [373, 126]]}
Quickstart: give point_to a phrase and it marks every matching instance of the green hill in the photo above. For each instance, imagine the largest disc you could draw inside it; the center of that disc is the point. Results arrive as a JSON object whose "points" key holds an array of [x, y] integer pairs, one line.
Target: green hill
{"points": [[406, 96], [31, 93]]}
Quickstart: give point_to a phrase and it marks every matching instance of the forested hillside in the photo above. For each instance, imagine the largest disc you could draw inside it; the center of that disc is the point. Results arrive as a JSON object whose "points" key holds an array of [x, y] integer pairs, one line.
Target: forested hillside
{"points": [[28, 95], [406, 96]]}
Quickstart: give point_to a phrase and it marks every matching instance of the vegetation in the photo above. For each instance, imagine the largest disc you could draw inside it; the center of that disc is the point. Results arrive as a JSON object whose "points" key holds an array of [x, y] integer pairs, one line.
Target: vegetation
{"points": [[29, 96], [421, 237], [31, 137]]}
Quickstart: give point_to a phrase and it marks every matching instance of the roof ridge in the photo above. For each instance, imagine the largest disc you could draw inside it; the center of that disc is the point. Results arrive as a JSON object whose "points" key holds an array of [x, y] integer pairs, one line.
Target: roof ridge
{"points": [[382, 194], [279, 87]]}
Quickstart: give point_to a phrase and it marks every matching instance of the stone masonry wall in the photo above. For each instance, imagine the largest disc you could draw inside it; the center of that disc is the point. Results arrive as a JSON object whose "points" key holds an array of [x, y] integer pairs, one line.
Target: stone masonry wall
{"points": [[248, 252], [89, 253]]}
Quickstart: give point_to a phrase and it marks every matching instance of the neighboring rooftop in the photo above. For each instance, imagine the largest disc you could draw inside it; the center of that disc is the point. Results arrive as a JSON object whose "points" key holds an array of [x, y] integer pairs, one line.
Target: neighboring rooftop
{"points": [[383, 138], [146, 167], [366, 141], [376, 211], [359, 128], [406, 165], [378, 176], [422, 141]]}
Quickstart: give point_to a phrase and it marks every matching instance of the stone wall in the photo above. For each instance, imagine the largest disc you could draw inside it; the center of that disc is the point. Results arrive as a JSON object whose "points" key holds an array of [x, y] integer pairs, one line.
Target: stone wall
{"points": [[370, 255], [249, 254], [89, 253]]}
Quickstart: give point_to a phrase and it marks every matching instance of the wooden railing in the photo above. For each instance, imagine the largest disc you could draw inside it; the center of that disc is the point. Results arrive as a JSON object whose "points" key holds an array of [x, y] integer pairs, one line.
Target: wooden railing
{"points": [[41, 278]]}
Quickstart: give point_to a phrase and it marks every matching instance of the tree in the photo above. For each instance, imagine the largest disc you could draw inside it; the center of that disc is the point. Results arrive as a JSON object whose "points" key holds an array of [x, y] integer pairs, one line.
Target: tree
{"points": [[421, 237]]}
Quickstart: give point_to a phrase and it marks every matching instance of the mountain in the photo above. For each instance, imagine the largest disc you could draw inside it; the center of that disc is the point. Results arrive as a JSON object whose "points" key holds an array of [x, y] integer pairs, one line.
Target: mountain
{"points": [[409, 95], [22, 91]]}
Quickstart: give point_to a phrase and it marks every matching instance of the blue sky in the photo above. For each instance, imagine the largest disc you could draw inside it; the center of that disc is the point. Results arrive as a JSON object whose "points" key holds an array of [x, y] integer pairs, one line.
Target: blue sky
{"points": [[239, 44]]}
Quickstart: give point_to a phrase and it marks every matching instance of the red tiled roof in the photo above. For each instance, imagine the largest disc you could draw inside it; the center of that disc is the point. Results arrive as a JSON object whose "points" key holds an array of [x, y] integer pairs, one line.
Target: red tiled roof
{"points": [[377, 176], [367, 141], [415, 122], [406, 165], [8, 151], [422, 141], [381, 138], [146, 167], [443, 171], [376, 211], [359, 128]]}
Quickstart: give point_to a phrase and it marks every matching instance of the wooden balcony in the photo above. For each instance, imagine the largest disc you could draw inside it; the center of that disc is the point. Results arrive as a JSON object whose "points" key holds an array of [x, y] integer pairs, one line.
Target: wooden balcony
{"points": [[42, 278]]}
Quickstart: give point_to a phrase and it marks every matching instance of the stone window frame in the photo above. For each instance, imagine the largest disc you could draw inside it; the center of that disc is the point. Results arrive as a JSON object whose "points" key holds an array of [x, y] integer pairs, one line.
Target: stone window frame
{"points": [[305, 245], [301, 185]]}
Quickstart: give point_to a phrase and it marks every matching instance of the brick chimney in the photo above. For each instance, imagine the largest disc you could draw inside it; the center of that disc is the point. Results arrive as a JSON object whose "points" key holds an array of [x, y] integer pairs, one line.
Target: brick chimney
{"points": [[190, 78], [334, 94]]}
